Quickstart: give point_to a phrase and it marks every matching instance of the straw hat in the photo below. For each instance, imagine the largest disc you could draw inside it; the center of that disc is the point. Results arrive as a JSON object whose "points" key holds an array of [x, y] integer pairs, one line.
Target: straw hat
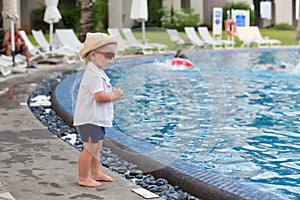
{"points": [[94, 41]]}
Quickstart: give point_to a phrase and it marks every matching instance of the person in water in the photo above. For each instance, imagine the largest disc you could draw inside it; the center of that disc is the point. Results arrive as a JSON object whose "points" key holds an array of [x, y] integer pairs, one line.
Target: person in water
{"points": [[180, 54], [181, 60], [274, 67]]}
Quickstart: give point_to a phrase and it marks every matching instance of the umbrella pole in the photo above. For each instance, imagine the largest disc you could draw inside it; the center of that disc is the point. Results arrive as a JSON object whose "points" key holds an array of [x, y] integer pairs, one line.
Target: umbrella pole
{"points": [[51, 36], [143, 32], [12, 32]]}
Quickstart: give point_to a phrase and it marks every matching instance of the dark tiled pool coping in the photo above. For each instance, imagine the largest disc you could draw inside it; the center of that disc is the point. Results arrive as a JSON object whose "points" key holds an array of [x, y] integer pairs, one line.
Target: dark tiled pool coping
{"points": [[191, 178]]}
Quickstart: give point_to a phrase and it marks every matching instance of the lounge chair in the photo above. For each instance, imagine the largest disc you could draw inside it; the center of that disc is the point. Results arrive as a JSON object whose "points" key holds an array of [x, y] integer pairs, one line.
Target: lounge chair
{"points": [[123, 45], [19, 66], [216, 44], [34, 51], [70, 55], [193, 37], [41, 40], [5, 71], [68, 38], [175, 37], [6, 65], [251, 35], [133, 41]]}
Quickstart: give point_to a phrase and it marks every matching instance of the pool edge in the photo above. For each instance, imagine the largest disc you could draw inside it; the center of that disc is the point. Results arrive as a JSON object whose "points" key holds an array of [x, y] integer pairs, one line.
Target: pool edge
{"points": [[210, 186]]}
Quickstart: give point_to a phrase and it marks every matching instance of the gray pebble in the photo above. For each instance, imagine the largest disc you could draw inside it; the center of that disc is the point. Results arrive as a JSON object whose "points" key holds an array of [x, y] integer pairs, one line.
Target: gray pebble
{"points": [[108, 159]]}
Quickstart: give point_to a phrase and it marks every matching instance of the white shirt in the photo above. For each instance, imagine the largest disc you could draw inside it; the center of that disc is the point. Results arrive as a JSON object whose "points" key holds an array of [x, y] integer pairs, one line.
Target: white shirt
{"points": [[87, 109]]}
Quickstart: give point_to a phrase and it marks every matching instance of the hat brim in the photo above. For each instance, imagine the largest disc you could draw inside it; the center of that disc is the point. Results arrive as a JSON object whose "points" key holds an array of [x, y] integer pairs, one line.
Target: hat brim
{"points": [[89, 46]]}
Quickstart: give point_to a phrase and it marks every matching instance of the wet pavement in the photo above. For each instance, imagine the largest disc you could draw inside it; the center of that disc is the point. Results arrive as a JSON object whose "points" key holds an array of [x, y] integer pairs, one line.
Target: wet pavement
{"points": [[34, 163]]}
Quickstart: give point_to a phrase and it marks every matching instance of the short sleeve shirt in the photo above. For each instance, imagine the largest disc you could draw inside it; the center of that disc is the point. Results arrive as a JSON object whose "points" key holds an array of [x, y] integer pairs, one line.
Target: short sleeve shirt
{"points": [[87, 109]]}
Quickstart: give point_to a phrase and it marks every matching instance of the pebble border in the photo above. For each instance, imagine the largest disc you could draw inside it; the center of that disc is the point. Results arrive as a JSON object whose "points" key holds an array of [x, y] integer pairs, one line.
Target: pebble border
{"points": [[55, 124], [209, 185], [188, 176]]}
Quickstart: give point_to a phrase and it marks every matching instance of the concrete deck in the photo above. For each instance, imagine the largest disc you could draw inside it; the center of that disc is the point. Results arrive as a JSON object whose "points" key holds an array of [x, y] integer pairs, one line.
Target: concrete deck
{"points": [[35, 164]]}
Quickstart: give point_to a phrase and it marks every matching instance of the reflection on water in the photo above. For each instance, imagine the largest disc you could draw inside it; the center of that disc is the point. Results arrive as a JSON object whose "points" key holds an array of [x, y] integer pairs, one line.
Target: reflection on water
{"points": [[260, 140], [15, 95]]}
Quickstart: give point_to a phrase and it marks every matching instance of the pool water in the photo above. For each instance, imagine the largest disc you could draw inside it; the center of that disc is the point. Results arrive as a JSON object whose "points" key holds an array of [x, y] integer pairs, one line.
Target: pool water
{"points": [[229, 114]]}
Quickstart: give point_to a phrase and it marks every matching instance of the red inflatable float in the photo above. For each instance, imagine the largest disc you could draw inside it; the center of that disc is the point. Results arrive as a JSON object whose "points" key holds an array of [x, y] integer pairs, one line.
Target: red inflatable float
{"points": [[181, 62]]}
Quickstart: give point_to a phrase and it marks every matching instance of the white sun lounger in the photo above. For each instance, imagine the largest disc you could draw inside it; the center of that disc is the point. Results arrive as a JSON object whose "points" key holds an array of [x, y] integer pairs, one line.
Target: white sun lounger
{"points": [[205, 36], [67, 37], [216, 44], [70, 56], [41, 40], [251, 35], [6, 65], [34, 51], [133, 41], [124, 45], [193, 37], [175, 37]]}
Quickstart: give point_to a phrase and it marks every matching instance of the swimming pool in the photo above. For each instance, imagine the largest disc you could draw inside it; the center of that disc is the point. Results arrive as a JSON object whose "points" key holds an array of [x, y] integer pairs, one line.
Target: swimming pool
{"points": [[228, 114]]}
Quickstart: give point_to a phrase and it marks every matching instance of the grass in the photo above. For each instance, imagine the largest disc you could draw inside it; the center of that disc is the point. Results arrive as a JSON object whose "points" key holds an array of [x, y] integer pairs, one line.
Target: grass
{"points": [[33, 41], [287, 37]]}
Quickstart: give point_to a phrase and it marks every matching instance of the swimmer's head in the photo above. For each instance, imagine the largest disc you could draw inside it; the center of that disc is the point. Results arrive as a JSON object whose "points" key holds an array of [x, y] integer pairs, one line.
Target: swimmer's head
{"points": [[179, 54], [282, 66]]}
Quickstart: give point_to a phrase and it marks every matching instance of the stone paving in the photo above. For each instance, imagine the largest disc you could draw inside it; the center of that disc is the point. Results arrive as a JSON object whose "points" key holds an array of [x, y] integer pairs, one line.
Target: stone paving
{"points": [[34, 163]]}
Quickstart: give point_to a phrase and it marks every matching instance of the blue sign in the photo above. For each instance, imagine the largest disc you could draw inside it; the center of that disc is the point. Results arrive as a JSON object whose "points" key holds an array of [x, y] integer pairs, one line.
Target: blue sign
{"points": [[240, 20], [217, 14]]}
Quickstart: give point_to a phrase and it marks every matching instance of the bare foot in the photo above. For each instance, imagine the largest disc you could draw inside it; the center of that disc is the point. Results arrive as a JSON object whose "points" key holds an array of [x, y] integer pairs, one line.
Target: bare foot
{"points": [[103, 177], [88, 182]]}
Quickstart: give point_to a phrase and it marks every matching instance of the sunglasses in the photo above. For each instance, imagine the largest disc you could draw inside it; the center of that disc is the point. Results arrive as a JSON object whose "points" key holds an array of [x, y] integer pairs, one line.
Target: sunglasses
{"points": [[107, 55]]}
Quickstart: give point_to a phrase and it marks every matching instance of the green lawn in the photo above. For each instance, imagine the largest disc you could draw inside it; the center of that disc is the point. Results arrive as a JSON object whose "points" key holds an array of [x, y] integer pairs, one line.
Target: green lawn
{"points": [[287, 37], [31, 38]]}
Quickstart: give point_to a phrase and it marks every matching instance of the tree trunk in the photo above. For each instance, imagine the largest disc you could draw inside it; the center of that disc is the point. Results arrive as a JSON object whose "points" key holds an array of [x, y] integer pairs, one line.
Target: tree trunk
{"points": [[298, 26], [257, 12], [86, 20]]}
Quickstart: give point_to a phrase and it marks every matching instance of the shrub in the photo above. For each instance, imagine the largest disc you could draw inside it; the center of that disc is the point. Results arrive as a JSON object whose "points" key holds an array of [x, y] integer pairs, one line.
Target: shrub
{"points": [[284, 26], [178, 19], [154, 15], [100, 15], [71, 16], [38, 19], [242, 5]]}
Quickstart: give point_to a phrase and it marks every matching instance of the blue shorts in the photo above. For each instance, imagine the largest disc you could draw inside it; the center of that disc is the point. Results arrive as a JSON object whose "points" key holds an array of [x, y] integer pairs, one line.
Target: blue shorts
{"points": [[91, 130]]}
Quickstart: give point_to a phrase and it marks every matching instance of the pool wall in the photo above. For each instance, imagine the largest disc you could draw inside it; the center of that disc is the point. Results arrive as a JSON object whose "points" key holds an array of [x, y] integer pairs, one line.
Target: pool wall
{"points": [[191, 178]]}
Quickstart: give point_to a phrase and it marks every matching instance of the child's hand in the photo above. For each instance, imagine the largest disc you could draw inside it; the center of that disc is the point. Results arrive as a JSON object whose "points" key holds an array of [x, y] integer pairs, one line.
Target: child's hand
{"points": [[118, 92]]}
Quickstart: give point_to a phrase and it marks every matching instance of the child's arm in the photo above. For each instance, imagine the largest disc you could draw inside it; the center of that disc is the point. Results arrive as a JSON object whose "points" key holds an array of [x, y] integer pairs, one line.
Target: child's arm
{"points": [[107, 97]]}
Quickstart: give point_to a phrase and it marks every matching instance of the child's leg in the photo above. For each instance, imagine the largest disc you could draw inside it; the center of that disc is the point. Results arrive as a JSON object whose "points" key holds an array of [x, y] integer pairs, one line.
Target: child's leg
{"points": [[84, 164], [95, 166]]}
